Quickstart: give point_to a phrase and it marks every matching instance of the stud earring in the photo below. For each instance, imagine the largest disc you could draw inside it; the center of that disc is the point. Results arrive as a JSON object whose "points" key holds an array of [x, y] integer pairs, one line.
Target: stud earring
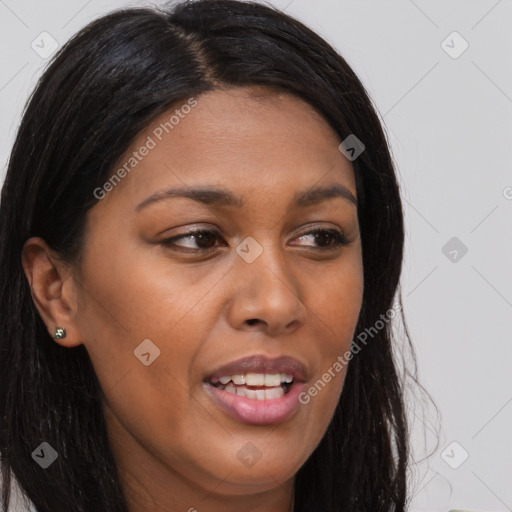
{"points": [[59, 333]]}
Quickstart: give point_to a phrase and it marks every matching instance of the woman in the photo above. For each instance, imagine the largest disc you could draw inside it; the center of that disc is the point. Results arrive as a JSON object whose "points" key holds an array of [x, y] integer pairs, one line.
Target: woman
{"points": [[201, 246]]}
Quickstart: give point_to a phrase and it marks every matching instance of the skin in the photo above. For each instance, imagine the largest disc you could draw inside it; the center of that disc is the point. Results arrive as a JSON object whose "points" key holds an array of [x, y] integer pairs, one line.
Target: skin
{"points": [[175, 449]]}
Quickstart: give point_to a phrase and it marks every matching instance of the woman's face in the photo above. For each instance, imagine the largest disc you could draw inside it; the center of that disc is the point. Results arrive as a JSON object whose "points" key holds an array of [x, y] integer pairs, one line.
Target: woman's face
{"points": [[161, 311]]}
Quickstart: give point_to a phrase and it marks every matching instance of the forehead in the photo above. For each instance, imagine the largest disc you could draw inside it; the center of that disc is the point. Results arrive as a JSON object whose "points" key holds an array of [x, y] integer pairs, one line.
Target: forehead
{"points": [[240, 138]]}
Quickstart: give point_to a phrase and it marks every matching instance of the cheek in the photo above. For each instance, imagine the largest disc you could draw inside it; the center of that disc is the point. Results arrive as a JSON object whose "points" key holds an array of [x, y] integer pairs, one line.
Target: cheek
{"points": [[133, 296], [335, 298]]}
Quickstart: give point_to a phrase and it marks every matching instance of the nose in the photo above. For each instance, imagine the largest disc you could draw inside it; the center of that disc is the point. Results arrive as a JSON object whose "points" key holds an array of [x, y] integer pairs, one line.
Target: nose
{"points": [[267, 295]]}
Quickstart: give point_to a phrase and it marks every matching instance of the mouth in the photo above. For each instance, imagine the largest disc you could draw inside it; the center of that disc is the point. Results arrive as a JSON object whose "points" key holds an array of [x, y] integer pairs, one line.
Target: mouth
{"points": [[255, 386], [258, 390]]}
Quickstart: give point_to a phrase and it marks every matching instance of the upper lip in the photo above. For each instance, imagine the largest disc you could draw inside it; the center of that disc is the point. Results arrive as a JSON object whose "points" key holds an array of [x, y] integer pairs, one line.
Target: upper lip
{"points": [[262, 364]]}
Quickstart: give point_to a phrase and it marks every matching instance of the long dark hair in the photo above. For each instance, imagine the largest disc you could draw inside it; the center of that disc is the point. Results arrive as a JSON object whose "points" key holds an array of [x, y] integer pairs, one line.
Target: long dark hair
{"points": [[106, 84]]}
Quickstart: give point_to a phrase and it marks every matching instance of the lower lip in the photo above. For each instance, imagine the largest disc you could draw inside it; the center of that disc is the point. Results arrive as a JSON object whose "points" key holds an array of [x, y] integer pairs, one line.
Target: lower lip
{"points": [[257, 412]]}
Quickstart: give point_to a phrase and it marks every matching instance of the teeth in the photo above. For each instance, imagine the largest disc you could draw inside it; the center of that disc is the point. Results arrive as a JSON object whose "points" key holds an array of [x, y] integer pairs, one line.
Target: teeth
{"points": [[238, 379], [256, 379], [249, 393], [272, 380], [258, 394], [230, 388], [274, 393], [241, 384]]}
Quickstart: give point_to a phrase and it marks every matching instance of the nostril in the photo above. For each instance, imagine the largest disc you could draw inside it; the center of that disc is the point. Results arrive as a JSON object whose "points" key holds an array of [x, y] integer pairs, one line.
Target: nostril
{"points": [[252, 321]]}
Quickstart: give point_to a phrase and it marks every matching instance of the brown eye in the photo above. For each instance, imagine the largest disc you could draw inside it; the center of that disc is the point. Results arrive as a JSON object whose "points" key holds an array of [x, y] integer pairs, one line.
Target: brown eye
{"points": [[326, 238], [204, 240]]}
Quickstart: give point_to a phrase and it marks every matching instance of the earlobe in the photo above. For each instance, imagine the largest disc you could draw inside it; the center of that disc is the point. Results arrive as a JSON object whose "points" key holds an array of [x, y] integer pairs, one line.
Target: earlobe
{"points": [[59, 333], [53, 291]]}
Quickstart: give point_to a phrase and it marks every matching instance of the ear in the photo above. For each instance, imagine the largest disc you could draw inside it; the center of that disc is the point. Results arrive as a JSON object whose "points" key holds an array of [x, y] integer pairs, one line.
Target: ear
{"points": [[53, 289]]}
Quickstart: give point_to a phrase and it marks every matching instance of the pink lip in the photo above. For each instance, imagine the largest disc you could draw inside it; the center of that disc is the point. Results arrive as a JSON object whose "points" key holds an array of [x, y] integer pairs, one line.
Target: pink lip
{"points": [[257, 412], [262, 364]]}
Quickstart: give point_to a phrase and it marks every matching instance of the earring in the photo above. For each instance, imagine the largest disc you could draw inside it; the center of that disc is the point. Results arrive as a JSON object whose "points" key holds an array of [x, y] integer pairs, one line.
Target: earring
{"points": [[59, 333]]}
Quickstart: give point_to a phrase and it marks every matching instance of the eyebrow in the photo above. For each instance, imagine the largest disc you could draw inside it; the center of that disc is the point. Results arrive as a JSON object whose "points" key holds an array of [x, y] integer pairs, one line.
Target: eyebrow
{"points": [[218, 196]]}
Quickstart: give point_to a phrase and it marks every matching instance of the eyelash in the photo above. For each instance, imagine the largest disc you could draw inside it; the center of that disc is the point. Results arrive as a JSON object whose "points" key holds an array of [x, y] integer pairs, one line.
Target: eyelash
{"points": [[340, 239]]}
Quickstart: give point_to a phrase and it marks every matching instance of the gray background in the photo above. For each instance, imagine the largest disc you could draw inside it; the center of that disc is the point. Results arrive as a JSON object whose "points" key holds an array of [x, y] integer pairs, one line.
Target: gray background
{"points": [[449, 125]]}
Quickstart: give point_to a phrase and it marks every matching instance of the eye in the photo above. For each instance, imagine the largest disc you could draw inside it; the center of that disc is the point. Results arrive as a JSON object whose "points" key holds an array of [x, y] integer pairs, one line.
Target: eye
{"points": [[328, 239], [205, 239]]}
